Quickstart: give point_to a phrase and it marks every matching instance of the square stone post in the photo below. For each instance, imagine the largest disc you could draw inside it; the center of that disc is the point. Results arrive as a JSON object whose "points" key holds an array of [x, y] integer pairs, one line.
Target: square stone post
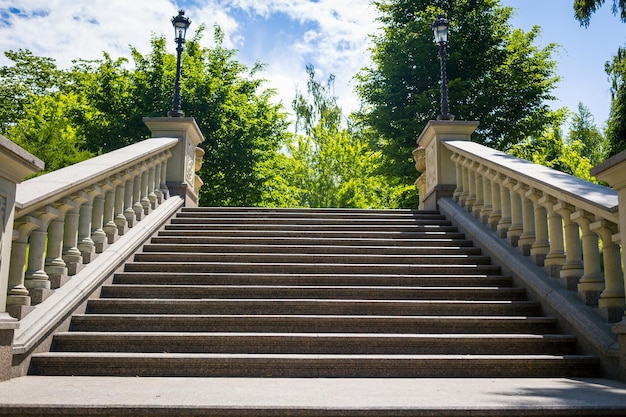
{"points": [[440, 169], [15, 165], [181, 167], [613, 172]]}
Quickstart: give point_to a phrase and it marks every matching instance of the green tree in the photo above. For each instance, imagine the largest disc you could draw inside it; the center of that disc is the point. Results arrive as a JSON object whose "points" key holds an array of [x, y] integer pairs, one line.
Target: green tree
{"points": [[45, 130], [594, 145], [575, 154], [583, 9], [331, 164], [616, 125], [497, 75]]}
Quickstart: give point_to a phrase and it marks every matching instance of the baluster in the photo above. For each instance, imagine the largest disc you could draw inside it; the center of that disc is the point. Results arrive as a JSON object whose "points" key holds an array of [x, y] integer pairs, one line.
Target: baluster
{"points": [[85, 244], [541, 247], [137, 207], [516, 228], [98, 235], [157, 178], [556, 256], [456, 158], [120, 194], [35, 278], [17, 294], [146, 204], [466, 179], [480, 191], [611, 302], [591, 282], [56, 268], [152, 197], [487, 195], [71, 254], [471, 183], [572, 269], [129, 213], [528, 237], [505, 202], [164, 190], [496, 198]]}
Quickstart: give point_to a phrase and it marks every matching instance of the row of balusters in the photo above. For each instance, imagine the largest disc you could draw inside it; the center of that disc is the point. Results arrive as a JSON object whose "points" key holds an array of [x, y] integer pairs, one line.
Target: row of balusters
{"points": [[579, 248], [52, 243]]}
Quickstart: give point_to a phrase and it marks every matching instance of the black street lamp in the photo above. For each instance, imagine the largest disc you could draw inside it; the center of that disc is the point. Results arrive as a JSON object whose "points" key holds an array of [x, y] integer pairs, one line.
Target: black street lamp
{"points": [[180, 23], [440, 28]]}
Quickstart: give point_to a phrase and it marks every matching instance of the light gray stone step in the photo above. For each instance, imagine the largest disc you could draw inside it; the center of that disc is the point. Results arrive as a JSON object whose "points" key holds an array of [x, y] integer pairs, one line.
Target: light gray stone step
{"points": [[315, 365], [313, 323], [226, 240], [313, 306], [244, 247], [322, 227], [309, 221], [323, 258], [433, 280], [312, 292], [178, 231], [308, 268], [310, 343], [309, 212]]}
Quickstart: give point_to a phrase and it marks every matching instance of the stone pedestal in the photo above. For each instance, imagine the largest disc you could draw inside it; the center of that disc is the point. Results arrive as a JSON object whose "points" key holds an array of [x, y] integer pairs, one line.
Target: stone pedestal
{"points": [[440, 174], [181, 167]]}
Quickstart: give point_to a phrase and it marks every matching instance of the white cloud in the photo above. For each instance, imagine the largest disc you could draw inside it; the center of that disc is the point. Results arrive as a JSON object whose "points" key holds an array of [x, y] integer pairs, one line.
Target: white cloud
{"points": [[335, 39]]}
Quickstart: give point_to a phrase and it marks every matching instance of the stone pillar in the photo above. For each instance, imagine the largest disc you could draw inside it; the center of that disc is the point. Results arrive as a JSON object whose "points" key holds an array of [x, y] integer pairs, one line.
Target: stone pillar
{"points": [[541, 247], [440, 169], [181, 167], [15, 165], [496, 198], [591, 282]]}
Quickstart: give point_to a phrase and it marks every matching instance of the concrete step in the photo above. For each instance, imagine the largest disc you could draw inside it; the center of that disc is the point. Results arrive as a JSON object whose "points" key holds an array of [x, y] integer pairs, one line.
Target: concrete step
{"points": [[389, 280], [238, 212], [325, 258], [312, 397], [312, 306], [311, 343], [243, 247], [364, 222], [312, 292], [171, 238], [178, 230], [317, 228], [311, 366], [310, 268], [118, 322]]}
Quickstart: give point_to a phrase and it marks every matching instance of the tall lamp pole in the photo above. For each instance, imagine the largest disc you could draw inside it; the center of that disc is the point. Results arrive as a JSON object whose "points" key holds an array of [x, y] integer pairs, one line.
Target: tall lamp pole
{"points": [[440, 28], [180, 23]]}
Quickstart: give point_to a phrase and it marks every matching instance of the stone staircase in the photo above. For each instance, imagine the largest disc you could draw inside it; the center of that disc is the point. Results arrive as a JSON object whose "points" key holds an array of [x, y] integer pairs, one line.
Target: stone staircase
{"points": [[297, 293]]}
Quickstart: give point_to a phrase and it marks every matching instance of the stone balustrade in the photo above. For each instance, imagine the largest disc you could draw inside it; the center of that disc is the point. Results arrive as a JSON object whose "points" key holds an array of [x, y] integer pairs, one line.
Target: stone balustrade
{"points": [[64, 219], [565, 224]]}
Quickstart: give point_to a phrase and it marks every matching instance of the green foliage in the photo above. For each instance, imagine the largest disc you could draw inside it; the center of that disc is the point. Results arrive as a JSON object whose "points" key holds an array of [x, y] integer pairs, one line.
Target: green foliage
{"points": [[583, 148], [616, 125], [331, 164], [45, 131], [497, 75], [583, 9]]}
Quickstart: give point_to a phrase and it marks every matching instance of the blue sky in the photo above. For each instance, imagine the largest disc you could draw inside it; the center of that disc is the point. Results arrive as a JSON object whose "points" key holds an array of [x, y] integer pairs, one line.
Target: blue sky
{"points": [[289, 34]]}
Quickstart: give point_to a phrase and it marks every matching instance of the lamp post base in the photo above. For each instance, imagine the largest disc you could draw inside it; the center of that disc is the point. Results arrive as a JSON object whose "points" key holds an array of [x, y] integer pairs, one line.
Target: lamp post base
{"points": [[175, 113], [445, 117]]}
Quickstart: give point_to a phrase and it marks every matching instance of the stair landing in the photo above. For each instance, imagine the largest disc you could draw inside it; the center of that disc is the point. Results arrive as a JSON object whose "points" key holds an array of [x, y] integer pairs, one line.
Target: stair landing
{"points": [[259, 397]]}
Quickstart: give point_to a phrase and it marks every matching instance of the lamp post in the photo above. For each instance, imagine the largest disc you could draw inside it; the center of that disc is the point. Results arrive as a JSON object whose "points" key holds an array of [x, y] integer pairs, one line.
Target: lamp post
{"points": [[180, 23], [440, 28]]}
